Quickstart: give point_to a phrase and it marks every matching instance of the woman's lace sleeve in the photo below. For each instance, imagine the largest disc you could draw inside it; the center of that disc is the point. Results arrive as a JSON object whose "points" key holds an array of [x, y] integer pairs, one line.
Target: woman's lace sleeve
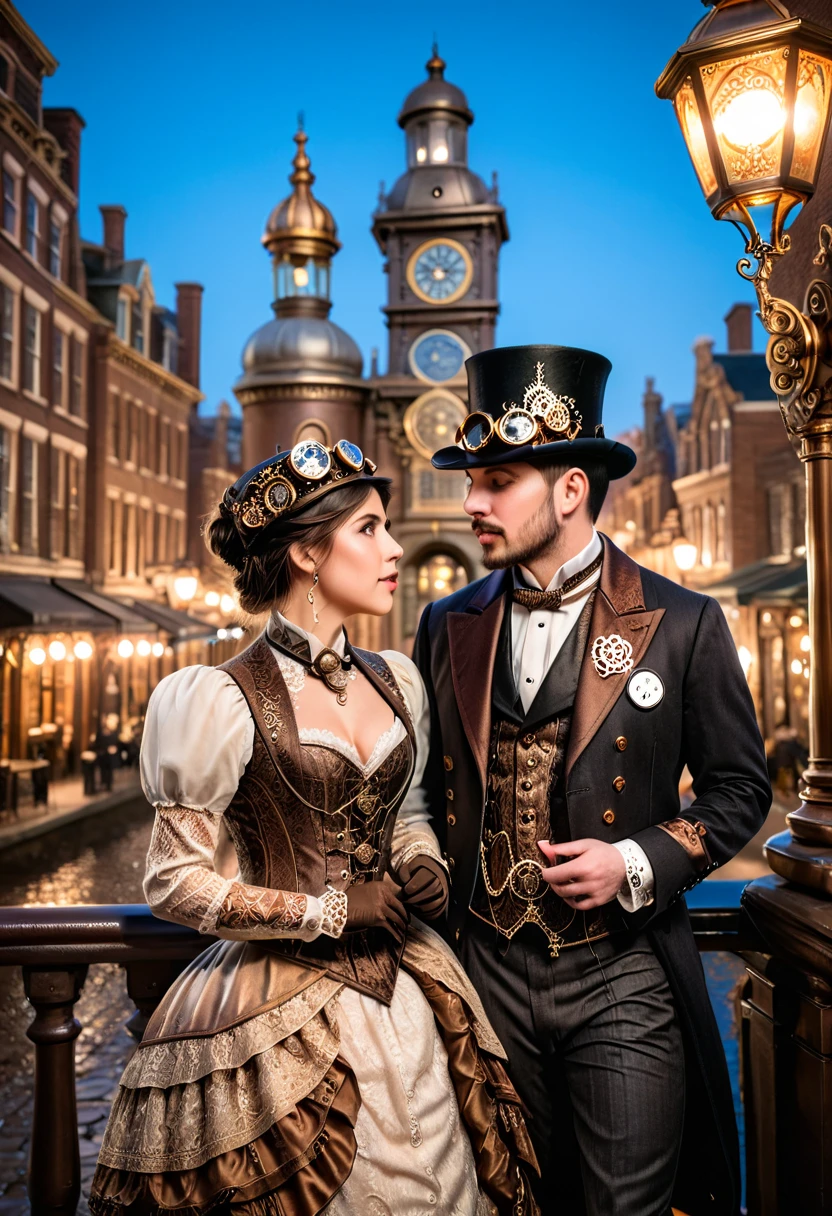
{"points": [[182, 885], [413, 834]]}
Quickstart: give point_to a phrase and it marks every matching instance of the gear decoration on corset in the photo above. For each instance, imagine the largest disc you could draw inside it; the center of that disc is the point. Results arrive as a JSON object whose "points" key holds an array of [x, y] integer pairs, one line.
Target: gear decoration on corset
{"points": [[612, 656]]}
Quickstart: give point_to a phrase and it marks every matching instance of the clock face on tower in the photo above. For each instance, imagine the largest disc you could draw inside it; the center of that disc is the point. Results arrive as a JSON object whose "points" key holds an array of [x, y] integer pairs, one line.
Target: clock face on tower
{"points": [[437, 355], [431, 420], [440, 271]]}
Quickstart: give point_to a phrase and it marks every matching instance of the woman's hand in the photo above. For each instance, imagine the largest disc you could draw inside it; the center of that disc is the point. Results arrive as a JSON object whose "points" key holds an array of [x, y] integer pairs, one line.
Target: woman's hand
{"points": [[425, 886], [376, 905]]}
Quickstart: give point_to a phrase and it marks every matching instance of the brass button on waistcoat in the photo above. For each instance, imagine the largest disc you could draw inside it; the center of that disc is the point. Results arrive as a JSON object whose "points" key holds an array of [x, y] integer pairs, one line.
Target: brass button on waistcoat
{"points": [[621, 744], [451, 863], [531, 762], [609, 816], [527, 817], [526, 785], [449, 763], [528, 740], [449, 794], [618, 784], [451, 819]]}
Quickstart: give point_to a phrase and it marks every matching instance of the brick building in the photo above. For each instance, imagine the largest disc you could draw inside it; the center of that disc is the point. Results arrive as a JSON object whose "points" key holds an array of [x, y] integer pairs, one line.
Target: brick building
{"points": [[719, 488], [98, 383]]}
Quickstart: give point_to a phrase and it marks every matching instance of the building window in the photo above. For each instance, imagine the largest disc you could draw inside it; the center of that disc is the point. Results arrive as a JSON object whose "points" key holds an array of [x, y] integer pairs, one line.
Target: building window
{"points": [[31, 350], [129, 543], [7, 304], [137, 328], [133, 434], [114, 523], [4, 73], [113, 430], [121, 318], [27, 95], [10, 202], [55, 241], [58, 366], [76, 396], [780, 519], [143, 448], [6, 495], [164, 447], [707, 554], [29, 496], [149, 552], [58, 504], [170, 350], [161, 537], [32, 224], [721, 551], [74, 507], [152, 441]]}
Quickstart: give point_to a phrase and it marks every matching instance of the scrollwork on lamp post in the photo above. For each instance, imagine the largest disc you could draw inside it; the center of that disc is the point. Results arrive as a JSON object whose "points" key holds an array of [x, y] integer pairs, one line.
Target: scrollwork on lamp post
{"points": [[752, 88]]}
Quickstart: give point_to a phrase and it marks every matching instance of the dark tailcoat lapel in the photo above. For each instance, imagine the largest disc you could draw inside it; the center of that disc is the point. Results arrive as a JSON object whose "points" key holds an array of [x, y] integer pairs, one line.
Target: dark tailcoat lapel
{"points": [[618, 608], [473, 637]]}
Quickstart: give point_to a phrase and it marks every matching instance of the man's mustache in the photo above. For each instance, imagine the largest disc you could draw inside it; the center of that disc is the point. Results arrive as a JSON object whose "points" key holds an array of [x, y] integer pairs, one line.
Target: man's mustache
{"points": [[479, 527]]}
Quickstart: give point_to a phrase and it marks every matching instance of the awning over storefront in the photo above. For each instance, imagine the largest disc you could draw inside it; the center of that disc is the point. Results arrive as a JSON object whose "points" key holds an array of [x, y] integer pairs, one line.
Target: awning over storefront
{"points": [[774, 582], [37, 603], [123, 619], [177, 624]]}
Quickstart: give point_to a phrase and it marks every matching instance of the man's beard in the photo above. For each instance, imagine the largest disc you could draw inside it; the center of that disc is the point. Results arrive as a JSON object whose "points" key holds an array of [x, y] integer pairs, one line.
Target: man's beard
{"points": [[538, 533]]}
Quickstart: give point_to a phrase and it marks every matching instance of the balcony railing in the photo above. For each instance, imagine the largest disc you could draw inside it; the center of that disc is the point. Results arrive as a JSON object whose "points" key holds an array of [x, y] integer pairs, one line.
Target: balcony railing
{"points": [[54, 947]]}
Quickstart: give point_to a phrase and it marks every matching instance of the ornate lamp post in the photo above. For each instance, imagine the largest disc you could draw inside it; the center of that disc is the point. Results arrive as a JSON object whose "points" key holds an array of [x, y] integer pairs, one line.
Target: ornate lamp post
{"points": [[752, 88]]}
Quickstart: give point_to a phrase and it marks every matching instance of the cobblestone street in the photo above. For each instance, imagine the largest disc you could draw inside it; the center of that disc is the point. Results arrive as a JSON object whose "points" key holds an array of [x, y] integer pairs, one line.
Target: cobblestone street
{"points": [[99, 861]]}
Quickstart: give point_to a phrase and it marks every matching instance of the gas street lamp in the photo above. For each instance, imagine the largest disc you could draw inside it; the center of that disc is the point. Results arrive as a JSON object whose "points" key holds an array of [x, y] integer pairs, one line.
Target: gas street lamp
{"points": [[752, 88]]}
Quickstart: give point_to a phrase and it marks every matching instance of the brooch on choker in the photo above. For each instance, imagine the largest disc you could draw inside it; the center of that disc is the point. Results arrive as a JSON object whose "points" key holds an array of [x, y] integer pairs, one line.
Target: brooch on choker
{"points": [[329, 667]]}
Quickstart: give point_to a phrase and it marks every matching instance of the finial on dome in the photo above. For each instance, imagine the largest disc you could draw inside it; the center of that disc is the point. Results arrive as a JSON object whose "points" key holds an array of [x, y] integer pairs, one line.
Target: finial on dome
{"points": [[436, 64], [300, 224], [303, 175]]}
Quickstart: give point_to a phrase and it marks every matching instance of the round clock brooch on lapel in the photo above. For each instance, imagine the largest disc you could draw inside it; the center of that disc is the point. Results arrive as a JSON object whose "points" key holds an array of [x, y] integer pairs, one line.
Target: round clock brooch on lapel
{"points": [[437, 355], [644, 688], [440, 271]]}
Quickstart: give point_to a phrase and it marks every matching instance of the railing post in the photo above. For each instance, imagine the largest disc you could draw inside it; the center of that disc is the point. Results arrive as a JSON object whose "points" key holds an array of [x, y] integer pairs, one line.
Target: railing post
{"points": [[54, 1180]]}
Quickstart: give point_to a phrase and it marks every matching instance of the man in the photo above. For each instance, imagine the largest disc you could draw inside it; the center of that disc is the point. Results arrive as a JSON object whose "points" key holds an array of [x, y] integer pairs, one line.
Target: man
{"points": [[561, 722]]}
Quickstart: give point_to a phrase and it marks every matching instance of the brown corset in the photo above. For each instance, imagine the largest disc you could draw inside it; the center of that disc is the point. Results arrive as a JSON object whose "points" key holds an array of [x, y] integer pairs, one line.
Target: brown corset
{"points": [[305, 817]]}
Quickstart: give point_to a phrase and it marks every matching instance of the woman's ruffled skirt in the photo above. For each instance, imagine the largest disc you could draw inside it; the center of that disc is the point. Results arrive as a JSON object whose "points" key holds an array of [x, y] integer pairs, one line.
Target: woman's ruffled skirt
{"points": [[262, 1115]]}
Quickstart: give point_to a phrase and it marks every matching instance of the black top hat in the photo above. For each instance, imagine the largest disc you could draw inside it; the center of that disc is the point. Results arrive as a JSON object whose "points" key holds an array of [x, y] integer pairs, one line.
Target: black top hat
{"points": [[532, 401]]}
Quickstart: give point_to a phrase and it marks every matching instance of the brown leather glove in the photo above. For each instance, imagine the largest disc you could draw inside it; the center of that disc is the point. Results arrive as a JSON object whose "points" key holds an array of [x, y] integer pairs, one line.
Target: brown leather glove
{"points": [[376, 905], [425, 886]]}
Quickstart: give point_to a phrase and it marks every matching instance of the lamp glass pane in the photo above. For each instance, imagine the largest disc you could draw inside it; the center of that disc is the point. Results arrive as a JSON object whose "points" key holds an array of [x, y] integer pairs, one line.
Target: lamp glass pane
{"points": [[746, 98], [687, 112], [814, 76]]}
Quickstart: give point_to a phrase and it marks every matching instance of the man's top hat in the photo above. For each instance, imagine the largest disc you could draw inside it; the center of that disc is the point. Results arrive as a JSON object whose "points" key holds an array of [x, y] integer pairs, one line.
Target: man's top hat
{"points": [[533, 401]]}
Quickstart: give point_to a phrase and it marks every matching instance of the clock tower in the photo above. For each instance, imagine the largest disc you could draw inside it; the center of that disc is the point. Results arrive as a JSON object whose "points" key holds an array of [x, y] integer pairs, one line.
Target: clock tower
{"points": [[440, 229]]}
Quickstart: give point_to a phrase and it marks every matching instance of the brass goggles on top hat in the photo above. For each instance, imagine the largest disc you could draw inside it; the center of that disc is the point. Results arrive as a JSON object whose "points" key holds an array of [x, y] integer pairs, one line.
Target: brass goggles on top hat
{"points": [[544, 417]]}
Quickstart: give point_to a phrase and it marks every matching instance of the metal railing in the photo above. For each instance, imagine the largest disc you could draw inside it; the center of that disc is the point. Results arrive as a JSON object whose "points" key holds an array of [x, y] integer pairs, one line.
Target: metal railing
{"points": [[54, 947]]}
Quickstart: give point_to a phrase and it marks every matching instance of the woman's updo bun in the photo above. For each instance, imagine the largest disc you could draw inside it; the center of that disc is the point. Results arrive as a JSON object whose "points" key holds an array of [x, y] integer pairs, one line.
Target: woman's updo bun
{"points": [[263, 579]]}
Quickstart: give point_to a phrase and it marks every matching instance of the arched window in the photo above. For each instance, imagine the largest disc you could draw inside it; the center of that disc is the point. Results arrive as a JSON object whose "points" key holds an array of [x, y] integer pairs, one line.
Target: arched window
{"points": [[430, 578], [721, 554], [707, 551], [313, 428]]}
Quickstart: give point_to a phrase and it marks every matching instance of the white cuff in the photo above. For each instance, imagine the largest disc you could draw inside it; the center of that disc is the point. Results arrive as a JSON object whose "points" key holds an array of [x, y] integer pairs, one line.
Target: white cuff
{"points": [[333, 906], [313, 920], [637, 891]]}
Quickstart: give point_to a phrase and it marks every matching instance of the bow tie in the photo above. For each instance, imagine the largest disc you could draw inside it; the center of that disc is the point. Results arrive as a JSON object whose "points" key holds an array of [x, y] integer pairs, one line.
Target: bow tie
{"points": [[532, 599]]}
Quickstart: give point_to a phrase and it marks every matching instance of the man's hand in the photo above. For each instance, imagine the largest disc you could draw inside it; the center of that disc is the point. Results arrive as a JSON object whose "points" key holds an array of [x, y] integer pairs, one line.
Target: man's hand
{"points": [[592, 875], [425, 887]]}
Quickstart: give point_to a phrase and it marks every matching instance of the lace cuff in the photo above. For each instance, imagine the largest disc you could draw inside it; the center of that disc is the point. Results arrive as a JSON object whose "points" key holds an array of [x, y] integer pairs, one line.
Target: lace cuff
{"points": [[333, 907], [637, 891]]}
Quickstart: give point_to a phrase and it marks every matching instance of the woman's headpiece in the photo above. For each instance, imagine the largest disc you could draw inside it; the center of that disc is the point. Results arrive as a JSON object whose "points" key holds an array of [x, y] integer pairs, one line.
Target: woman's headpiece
{"points": [[291, 480]]}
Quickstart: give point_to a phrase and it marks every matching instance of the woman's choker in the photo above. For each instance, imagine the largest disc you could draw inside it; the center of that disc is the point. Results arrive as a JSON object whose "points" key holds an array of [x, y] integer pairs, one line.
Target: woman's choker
{"points": [[328, 665]]}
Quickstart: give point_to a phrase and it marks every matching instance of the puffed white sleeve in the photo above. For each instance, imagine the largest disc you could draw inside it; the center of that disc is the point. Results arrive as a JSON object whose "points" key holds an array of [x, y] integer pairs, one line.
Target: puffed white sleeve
{"points": [[198, 739], [413, 834]]}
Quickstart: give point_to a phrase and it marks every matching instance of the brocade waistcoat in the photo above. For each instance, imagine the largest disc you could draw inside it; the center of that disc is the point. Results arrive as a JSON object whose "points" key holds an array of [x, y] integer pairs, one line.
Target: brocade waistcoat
{"points": [[305, 816], [526, 802]]}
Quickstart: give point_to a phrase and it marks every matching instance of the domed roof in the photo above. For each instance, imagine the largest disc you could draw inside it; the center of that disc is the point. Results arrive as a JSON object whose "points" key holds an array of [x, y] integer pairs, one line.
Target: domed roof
{"points": [[459, 185], [301, 224], [299, 348], [435, 93]]}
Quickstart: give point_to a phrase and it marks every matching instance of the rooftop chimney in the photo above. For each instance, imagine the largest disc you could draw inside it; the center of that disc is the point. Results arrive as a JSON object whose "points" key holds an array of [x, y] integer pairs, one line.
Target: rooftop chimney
{"points": [[114, 216], [738, 322], [66, 125], [189, 324]]}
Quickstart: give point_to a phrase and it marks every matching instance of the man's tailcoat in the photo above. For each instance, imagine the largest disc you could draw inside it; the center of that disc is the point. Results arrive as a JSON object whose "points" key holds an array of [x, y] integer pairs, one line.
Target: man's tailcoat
{"points": [[705, 720]]}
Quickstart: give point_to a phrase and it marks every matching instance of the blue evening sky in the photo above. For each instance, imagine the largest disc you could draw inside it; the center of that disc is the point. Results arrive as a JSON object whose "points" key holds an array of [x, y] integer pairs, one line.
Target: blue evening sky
{"points": [[190, 109]]}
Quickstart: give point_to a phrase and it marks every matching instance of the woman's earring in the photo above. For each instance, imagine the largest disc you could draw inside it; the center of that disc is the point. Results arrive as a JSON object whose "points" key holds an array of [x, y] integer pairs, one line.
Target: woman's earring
{"points": [[310, 596]]}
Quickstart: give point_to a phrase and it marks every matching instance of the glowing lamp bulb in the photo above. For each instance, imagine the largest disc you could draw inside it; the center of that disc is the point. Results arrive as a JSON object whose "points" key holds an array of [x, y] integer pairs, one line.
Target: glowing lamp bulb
{"points": [[684, 555], [227, 604], [212, 599], [745, 658], [57, 651], [222, 634], [795, 621], [143, 648], [37, 655], [158, 650], [805, 643], [421, 155], [301, 276], [751, 119], [440, 153], [125, 648], [797, 667], [185, 587], [82, 650]]}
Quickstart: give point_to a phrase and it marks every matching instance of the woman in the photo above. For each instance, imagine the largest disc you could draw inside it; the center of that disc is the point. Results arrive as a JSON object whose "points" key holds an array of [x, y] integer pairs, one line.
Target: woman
{"points": [[327, 1054]]}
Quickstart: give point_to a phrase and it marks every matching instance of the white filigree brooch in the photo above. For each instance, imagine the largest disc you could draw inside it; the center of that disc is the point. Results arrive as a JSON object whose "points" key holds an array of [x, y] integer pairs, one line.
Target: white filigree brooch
{"points": [[612, 656]]}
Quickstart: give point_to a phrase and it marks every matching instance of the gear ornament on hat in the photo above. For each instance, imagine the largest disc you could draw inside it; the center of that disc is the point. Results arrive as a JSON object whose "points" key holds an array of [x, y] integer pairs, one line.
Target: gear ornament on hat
{"points": [[612, 656]]}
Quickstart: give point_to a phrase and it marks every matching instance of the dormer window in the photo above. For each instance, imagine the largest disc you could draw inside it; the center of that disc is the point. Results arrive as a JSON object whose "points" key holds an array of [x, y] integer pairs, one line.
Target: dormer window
{"points": [[437, 141], [137, 327], [170, 348], [121, 318]]}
